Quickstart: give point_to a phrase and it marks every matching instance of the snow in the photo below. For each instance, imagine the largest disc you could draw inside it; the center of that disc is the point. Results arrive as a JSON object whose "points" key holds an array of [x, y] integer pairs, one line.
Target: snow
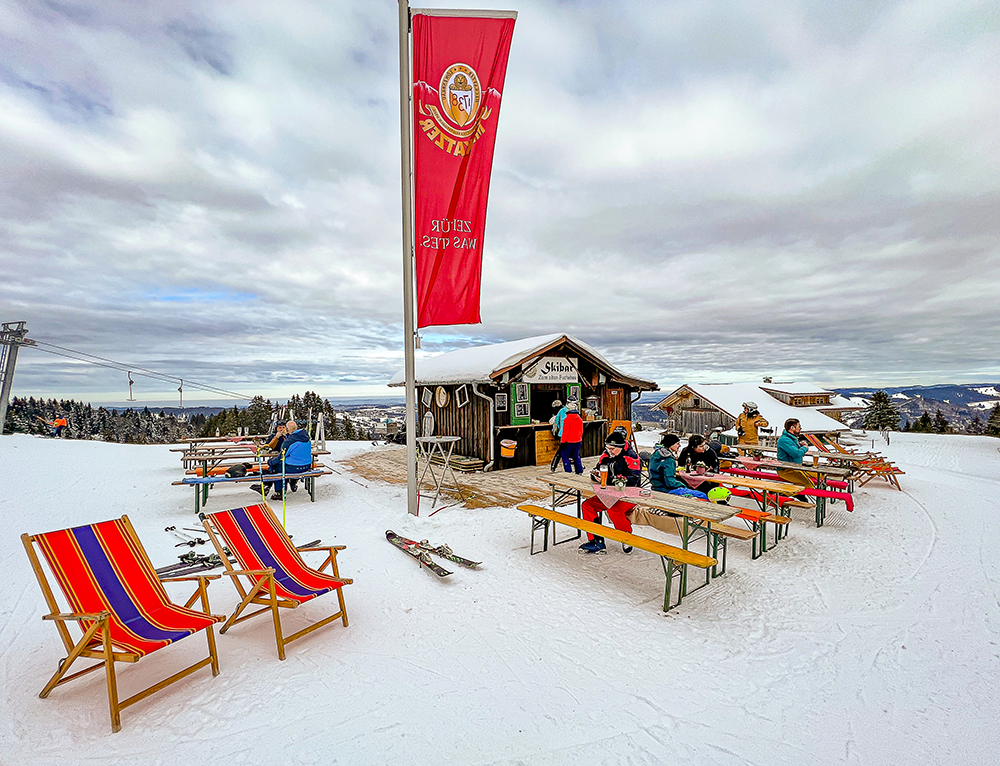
{"points": [[988, 391], [729, 397], [989, 404], [872, 640], [899, 395], [478, 363]]}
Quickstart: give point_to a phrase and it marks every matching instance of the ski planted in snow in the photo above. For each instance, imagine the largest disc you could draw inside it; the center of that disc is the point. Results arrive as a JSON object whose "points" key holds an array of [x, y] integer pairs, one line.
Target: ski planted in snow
{"points": [[443, 551], [413, 549]]}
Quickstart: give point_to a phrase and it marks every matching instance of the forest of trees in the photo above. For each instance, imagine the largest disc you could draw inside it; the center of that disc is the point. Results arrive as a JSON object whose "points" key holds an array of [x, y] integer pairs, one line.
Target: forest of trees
{"points": [[145, 426]]}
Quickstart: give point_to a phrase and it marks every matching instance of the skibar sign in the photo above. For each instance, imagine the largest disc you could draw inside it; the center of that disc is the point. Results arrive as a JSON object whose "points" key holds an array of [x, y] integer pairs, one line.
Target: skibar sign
{"points": [[459, 66], [553, 369]]}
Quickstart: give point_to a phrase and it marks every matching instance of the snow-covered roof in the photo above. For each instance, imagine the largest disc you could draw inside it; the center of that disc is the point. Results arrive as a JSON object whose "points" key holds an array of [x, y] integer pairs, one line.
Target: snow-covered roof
{"points": [[478, 363], [729, 398], [796, 389]]}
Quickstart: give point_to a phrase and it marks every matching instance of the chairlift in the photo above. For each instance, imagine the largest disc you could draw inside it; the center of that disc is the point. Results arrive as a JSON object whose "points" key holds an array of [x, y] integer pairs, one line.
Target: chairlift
{"points": [[130, 384], [181, 392]]}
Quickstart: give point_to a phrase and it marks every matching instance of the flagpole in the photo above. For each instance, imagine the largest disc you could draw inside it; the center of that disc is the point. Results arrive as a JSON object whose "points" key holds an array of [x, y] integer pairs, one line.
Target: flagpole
{"points": [[405, 92]]}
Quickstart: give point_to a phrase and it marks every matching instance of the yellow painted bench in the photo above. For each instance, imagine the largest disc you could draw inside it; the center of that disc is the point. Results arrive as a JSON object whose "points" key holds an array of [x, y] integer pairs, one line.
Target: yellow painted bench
{"points": [[672, 558]]}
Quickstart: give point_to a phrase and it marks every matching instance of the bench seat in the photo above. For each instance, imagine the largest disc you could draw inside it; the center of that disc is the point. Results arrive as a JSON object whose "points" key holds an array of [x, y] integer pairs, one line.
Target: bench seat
{"points": [[672, 558]]}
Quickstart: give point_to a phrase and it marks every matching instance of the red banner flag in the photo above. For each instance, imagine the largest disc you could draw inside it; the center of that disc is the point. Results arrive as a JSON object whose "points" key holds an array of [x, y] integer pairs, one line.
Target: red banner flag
{"points": [[459, 65]]}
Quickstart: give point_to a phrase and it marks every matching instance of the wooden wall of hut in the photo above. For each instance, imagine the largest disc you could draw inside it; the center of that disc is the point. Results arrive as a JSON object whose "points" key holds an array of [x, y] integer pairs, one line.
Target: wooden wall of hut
{"points": [[617, 404], [470, 423], [702, 421]]}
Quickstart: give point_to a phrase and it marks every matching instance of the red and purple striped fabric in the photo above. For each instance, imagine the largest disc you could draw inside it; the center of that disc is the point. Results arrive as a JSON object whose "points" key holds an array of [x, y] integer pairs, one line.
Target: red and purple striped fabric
{"points": [[254, 536], [103, 568]]}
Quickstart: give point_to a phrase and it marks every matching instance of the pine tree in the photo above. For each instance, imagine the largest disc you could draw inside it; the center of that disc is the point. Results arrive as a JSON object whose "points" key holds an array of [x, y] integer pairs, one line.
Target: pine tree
{"points": [[881, 415], [993, 424], [923, 424], [940, 424]]}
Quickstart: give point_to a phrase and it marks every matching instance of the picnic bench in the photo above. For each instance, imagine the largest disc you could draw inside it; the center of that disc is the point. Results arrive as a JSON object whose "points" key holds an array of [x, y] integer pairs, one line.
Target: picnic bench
{"points": [[202, 484], [674, 560], [697, 519]]}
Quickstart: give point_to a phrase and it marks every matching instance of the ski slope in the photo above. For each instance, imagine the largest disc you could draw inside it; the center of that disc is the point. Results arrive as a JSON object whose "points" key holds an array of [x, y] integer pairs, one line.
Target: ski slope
{"points": [[873, 640]]}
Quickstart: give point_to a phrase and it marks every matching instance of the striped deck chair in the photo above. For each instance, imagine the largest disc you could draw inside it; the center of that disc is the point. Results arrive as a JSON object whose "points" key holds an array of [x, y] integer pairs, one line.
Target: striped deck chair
{"points": [[271, 572], [875, 467], [118, 603]]}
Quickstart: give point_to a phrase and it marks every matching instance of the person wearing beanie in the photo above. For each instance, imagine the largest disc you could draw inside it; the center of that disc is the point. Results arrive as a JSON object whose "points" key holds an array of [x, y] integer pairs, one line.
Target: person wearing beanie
{"points": [[663, 465], [622, 463]]}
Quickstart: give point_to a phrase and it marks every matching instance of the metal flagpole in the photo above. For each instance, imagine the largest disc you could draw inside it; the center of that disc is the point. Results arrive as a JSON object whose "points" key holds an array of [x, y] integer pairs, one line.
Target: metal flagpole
{"points": [[405, 92]]}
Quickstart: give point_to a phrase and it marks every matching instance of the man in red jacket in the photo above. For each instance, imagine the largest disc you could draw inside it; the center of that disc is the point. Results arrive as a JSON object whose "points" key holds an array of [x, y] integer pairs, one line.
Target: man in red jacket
{"points": [[571, 441]]}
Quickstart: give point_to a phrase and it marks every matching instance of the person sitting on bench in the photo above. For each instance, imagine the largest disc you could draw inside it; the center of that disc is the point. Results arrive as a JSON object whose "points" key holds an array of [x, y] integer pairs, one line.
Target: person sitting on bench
{"points": [[621, 463], [296, 449], [791, 448]]}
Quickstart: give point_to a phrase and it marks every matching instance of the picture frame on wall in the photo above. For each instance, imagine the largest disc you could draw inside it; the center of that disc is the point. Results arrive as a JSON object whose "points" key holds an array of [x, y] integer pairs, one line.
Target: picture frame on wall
{"points": [[522, 410], [462, 396], [521, 392], [500, 402], [427, 396]]}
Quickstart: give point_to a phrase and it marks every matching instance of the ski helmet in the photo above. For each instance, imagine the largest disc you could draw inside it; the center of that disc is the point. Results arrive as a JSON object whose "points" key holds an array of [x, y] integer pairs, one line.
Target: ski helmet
{"points": [[719, 495]]}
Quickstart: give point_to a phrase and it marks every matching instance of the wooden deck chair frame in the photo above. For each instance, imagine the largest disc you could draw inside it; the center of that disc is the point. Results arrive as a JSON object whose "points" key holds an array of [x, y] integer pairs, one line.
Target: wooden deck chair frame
{"points": [[97, 643], [259, 587]]}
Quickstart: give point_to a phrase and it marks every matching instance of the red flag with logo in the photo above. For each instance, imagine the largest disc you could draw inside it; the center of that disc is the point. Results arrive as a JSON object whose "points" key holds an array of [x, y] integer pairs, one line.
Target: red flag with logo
{"points": [[459, 65]]}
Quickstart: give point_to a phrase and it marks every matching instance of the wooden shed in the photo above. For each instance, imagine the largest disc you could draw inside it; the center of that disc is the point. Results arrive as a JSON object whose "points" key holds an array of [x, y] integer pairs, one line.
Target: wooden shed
{"points": [[700, 408], [488, 394]]}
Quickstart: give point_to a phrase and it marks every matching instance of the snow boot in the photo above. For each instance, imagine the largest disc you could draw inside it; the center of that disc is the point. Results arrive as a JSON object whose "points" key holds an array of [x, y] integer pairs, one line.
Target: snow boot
{"points": [[255, 487], [594, 546], [626, 549]]}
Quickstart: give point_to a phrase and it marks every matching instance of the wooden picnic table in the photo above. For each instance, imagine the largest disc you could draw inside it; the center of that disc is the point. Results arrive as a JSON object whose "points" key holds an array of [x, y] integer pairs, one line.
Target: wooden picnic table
{"points": [[846, 457], [821, 472], [698, 516]]}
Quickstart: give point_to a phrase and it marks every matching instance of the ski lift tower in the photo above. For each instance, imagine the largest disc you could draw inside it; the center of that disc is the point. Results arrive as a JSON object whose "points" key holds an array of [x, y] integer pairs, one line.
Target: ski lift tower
{"points": [[13, 335]]}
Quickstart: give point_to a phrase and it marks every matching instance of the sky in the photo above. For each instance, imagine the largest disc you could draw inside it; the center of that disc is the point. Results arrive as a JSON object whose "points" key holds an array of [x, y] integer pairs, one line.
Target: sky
{"points": [[703, 191]]}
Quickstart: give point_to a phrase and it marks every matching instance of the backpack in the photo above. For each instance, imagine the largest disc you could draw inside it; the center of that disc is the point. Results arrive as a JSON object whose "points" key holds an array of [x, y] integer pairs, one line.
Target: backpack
{"points": [[237, 471]]}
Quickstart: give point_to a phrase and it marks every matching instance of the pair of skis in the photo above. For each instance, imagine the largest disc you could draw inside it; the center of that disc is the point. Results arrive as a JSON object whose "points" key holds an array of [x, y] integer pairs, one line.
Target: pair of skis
{"points": [[422, 551], [193, 563]]}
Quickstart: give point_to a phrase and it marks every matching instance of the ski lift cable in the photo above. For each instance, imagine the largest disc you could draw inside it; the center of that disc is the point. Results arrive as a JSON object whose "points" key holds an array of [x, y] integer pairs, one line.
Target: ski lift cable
{"points": [[122, 367]]}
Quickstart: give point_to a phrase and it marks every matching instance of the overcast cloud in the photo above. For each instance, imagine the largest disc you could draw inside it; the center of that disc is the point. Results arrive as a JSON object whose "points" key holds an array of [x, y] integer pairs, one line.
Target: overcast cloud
{"points": [[704, 191]]}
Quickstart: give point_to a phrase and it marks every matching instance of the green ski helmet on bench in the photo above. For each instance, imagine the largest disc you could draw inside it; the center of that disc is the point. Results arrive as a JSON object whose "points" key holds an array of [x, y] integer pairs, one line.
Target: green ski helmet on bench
{"points": [[719, 495]]}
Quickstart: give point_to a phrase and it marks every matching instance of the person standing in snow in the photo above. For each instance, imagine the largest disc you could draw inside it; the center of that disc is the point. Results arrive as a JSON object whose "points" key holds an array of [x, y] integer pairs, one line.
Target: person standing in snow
{"points": [[557, 423], [571, 438], [748, 422]]}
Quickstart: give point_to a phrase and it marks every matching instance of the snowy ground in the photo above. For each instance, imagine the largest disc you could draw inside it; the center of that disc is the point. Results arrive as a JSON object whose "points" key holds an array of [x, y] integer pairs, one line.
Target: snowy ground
{"points": [[873, 640]]}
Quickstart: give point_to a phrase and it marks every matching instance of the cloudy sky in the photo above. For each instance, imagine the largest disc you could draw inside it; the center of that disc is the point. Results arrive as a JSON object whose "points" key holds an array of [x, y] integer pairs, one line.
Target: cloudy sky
{"points": [[704, 191]]}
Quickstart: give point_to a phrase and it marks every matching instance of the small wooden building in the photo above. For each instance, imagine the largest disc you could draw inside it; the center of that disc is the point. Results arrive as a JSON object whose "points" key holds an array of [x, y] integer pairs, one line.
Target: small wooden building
{"points": [[700, 408], [488, 394]]}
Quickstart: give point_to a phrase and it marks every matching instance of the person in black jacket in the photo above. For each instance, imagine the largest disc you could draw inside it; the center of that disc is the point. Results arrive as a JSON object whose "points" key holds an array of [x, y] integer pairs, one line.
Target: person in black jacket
{"points": [[696, 452], [622, 463]]}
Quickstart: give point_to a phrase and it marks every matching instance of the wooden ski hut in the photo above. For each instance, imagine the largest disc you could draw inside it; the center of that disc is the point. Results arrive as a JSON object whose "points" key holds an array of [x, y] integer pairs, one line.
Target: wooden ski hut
{"points": [[700, 408], [504, 392]]}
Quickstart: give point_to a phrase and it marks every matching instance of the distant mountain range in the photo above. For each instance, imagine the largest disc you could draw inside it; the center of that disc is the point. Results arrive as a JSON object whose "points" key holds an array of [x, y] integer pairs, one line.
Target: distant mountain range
{"points": [[960, 403]]}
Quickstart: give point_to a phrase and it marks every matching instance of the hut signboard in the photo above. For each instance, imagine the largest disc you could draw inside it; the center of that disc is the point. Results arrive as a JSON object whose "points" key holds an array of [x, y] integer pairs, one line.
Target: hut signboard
{"points": [[553, 369]]}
